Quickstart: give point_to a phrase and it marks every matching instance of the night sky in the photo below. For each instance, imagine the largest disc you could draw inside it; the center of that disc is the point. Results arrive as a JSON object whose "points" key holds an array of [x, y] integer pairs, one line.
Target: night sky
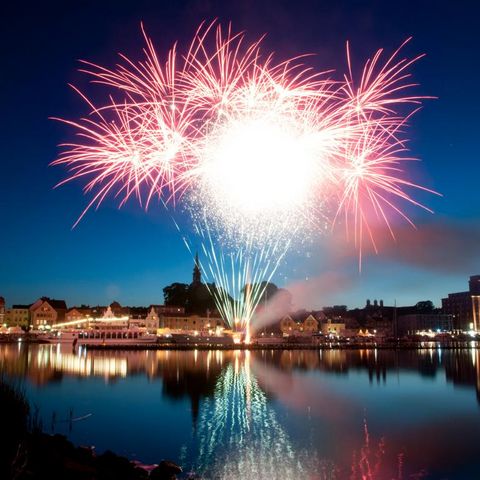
{"points": [[129, 255]]}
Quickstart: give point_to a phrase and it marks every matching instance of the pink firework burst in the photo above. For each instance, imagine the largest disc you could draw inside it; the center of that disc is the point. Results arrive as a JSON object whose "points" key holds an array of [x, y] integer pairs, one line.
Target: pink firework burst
{"points": [[371, 173], [260, 143]]}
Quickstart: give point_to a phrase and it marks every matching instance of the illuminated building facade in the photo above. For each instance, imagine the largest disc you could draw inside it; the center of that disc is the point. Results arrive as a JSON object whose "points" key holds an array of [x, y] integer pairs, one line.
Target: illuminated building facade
{"points": [[333, 328], [308, 326], [17, 316], [152, 321], [424, 322], [77, 314], [46, 311], [2, 311], [465, 306], [168, 309], [190, 323]]}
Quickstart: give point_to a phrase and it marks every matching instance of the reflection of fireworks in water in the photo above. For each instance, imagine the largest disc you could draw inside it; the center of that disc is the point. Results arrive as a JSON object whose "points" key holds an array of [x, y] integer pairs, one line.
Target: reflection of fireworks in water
{"points": [[369, 462], [256, 147], [239, 436]]}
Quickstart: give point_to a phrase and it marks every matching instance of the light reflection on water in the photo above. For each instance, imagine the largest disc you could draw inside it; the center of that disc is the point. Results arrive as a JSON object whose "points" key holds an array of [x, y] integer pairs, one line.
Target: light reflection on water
{"points": [[366, 414], [238, 435]]}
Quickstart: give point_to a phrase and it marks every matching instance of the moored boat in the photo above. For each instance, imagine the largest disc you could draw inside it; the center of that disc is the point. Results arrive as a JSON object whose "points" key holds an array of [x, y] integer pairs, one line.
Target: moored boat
{"points": [[58, 336], [126, 336], [102, 336]]}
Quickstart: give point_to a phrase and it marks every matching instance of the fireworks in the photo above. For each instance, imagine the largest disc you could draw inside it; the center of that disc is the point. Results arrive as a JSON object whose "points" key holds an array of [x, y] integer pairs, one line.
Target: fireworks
{"points": [[241, 276], [253, 148]]}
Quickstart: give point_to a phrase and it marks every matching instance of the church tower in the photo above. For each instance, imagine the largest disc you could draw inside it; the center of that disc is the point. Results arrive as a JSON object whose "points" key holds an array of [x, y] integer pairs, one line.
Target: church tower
{"points": [[197, 274]]}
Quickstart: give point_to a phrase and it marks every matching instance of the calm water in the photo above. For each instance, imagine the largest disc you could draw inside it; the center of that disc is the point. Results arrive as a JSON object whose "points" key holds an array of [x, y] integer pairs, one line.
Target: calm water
{"points": [[265, 415]]}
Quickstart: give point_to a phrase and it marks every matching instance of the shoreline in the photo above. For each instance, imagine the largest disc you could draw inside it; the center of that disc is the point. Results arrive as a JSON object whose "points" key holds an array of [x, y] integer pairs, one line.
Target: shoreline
{"points": [[28, 452], [288, 346], [382, 345]]}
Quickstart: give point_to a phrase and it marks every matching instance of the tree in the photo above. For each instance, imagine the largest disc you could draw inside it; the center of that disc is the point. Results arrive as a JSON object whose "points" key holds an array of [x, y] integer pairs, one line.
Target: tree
{"points": [[176, 294], [199, 299], [268, 290], [425, 306]]}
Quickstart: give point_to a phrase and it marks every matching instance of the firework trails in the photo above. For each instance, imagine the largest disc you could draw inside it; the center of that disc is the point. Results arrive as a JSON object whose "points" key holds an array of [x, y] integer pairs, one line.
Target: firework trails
{"points": [[255, 150]]}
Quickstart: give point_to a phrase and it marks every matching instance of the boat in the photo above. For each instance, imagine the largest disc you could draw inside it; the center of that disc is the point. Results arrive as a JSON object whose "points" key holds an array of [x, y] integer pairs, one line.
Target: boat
{"points": [[58, 336], [107, 330], [102, 336], [118, 336]]}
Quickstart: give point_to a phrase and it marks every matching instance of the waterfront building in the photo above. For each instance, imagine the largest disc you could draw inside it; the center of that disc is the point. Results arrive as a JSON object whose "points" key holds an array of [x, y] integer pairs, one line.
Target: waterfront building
{"points": [[290, 327], [381, 320], [465, 306], [152, 321], [191, 323], [333, 328], [310, 325], [168, 309], [98, 311], [114, 320], [118, 310], [287, 325], [47, 312], [337, 312], [138, 313], [2, 311], [77, 313], [339, 315], [424, 322], [17, 316]]}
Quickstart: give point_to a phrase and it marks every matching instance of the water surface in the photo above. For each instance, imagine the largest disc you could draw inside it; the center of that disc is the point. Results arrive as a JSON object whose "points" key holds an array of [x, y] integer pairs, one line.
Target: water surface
{"points": [[336, 414]]}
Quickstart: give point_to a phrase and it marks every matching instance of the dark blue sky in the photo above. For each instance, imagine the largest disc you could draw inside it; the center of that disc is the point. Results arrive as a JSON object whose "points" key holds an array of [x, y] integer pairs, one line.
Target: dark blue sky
{"points": [[130, 255]]}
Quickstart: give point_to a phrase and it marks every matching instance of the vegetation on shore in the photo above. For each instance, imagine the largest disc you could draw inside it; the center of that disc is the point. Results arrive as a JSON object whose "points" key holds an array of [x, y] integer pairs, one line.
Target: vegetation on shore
{"points": [[28, 453]]}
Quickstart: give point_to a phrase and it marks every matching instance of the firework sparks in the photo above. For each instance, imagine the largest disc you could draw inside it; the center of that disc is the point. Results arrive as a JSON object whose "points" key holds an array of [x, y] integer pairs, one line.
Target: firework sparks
{"points": [[256, 148], [240, 275], [373, 182]]}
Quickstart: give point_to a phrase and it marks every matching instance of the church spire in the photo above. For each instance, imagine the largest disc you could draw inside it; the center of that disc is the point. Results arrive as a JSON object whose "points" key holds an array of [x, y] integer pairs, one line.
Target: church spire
{"points": [[197, 274]]}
